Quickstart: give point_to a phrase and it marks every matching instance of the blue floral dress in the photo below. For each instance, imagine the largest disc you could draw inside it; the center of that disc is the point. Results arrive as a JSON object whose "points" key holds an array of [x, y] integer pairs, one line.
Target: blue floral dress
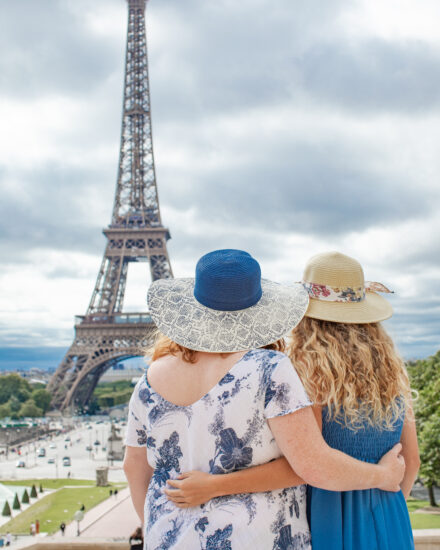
{"points": [[224, 431]]}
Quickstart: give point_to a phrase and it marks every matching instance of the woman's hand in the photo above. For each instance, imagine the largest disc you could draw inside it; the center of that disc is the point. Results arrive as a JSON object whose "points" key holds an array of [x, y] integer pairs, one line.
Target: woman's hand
{"points": [[394, 465], [191, 489]]}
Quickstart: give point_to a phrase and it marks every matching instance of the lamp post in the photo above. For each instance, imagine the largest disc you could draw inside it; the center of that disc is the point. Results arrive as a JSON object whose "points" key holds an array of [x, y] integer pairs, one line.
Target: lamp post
{"points": [[79, 516]]}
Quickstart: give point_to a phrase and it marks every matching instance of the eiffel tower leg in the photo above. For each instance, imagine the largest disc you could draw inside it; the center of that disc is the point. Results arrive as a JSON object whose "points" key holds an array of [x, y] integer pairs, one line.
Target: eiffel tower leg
{"points": [[62, 379], [160, 267], [58, 378]]}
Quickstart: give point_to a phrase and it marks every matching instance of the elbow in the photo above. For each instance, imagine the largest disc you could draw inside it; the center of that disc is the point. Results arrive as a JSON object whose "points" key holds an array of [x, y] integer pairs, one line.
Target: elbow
{"points": [[413, 464], [127, 466], [312, 475]]}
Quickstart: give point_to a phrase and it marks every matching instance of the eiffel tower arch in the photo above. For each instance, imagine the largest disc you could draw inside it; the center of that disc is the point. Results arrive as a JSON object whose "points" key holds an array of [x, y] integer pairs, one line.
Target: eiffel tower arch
{"points": [[105, 334]]}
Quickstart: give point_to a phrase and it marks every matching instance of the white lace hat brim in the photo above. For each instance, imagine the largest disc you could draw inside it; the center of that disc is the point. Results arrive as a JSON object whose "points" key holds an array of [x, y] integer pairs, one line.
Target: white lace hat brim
{"points": [[178, 315]]}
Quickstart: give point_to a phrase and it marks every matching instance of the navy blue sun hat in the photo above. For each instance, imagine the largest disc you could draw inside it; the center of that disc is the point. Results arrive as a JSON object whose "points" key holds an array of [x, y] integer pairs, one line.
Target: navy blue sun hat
{"points": [[227, 307], [228, 280]]}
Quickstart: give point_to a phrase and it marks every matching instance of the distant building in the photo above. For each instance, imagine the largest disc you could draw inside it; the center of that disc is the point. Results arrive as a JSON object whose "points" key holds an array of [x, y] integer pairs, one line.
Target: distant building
{"points": [[114, 375]]}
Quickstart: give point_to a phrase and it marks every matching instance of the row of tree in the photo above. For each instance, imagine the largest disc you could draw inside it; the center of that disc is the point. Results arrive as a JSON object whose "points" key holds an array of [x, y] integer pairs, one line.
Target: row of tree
{"points": [[25, 499], [19, 398]]}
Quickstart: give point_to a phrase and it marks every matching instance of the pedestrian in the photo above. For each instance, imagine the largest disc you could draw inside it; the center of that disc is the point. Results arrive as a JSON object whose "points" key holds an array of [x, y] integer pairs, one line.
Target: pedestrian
{"points": [[32, 529], [83, 508], [111, 492], [62, 528], [136, 540], [362, 396], [8, 539], [217, 375], [116, 493], [37, 526], [68, 474]]}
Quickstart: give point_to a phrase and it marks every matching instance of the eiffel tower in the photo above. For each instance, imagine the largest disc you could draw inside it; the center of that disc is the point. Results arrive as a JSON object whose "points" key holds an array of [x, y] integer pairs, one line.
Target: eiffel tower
{"points": [[105, 335]]}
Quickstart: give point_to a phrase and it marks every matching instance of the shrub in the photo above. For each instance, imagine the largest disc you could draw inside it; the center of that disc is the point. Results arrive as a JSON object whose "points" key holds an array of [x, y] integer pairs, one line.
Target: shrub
{"points": [[6, 509], [34, 493], [25, 497], [16, 504]]}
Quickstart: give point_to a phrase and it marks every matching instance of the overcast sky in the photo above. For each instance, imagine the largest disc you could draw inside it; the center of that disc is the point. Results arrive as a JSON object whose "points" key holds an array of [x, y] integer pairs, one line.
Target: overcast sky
{"points": [[286, 128]]}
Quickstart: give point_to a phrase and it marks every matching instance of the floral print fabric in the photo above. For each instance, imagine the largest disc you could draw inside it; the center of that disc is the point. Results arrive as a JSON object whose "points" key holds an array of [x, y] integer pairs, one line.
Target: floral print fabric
{"points": [[224, 431], [347, 294]]}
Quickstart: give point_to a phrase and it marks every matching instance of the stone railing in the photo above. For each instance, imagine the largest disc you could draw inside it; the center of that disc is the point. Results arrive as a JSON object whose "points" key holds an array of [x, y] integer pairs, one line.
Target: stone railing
{"points": [[426, 539]]}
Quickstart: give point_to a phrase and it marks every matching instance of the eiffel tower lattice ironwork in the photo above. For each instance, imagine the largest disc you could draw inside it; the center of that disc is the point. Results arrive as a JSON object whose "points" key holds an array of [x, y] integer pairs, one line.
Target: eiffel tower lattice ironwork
{"points": [[106, 335]]}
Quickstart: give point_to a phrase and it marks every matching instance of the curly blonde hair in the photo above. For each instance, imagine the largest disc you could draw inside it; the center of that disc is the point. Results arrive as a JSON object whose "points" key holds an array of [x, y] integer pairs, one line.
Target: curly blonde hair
{"points": [[165, 346], [353, 370]]}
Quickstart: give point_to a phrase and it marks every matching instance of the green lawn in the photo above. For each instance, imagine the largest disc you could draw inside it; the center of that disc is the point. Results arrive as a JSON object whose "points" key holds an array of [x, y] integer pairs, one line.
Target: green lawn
{"points": [[51, 509], [422, 521], [48, 483]]}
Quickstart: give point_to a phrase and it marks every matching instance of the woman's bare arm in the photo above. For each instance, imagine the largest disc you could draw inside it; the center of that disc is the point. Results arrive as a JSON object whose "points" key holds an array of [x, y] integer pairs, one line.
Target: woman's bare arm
{"points": [[301, 442], [195, 488], [299, 437], [410, 452], [138, 473]]}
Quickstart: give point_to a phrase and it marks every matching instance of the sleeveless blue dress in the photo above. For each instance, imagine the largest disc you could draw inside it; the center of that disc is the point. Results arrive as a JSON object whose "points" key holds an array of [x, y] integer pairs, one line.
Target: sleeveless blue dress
{"points": [[359, 520]]}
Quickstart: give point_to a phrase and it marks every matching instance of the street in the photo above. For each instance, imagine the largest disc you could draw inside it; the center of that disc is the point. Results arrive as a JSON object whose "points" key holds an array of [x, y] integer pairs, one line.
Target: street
{"points": [[83, 463]]}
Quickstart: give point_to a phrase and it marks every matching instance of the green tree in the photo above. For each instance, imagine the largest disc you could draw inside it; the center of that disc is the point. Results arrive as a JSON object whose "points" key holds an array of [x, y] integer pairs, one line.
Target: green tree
{"points": [[34, 492], [42, 399], [16, 504], [5, 410], [14, 404], [15, 385], [25, 497], [30, 409], [425, 378], [6, 509]]}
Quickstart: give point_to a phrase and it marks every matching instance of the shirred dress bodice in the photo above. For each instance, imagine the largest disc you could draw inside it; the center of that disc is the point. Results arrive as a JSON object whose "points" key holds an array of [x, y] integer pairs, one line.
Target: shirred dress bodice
{"points": [[368, 443]]}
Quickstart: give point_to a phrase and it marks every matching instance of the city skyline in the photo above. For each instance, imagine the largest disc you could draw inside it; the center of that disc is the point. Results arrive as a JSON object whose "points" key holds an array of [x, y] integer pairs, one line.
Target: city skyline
{"points": [[309, 128]]}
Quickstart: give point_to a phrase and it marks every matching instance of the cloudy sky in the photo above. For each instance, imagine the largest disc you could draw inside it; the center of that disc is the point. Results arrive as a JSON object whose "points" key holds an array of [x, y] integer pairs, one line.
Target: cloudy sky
{"points": [[286, 128]]}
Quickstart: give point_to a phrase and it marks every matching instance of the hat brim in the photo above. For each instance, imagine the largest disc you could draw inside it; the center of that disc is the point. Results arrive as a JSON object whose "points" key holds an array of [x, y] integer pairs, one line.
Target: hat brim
{"points": [[373, 309], [178, 315]]}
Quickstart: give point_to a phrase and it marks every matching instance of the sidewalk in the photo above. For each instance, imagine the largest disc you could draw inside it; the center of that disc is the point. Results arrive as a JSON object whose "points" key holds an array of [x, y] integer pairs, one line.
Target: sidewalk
{"points": [[95, 514]]}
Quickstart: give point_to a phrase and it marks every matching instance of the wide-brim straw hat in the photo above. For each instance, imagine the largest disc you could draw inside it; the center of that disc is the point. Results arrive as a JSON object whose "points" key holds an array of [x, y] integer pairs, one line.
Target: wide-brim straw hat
{"points": [[227, 307], [338, 291]]}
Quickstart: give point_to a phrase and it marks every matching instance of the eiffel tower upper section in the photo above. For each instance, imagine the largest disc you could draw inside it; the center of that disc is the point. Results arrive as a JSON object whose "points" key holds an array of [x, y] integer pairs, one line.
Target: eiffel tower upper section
{"points": [[136, 231]]}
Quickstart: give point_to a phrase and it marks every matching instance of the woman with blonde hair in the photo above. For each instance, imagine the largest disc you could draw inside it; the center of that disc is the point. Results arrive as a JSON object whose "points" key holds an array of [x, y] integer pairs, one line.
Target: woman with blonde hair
{"points": [[219, 397], [361, 396]]}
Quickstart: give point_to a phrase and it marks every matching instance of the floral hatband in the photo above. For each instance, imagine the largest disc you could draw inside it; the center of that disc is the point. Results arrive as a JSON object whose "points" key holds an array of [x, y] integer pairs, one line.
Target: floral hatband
{"points": [[348, 294]]}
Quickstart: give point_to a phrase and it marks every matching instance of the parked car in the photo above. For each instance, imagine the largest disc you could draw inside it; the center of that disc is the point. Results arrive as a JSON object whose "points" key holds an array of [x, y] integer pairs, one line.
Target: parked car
{"points": [[97, 443], [52, 446], [66, 461], [21, 464], [41, 452], [88, 448], [67, 439], [51, 461]]}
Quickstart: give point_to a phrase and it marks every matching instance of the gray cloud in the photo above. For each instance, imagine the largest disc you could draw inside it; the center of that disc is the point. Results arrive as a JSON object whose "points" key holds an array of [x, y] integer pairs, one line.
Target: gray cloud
{"points": [[55, 213], [373, 74], [49, 50], [322, 190]]}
